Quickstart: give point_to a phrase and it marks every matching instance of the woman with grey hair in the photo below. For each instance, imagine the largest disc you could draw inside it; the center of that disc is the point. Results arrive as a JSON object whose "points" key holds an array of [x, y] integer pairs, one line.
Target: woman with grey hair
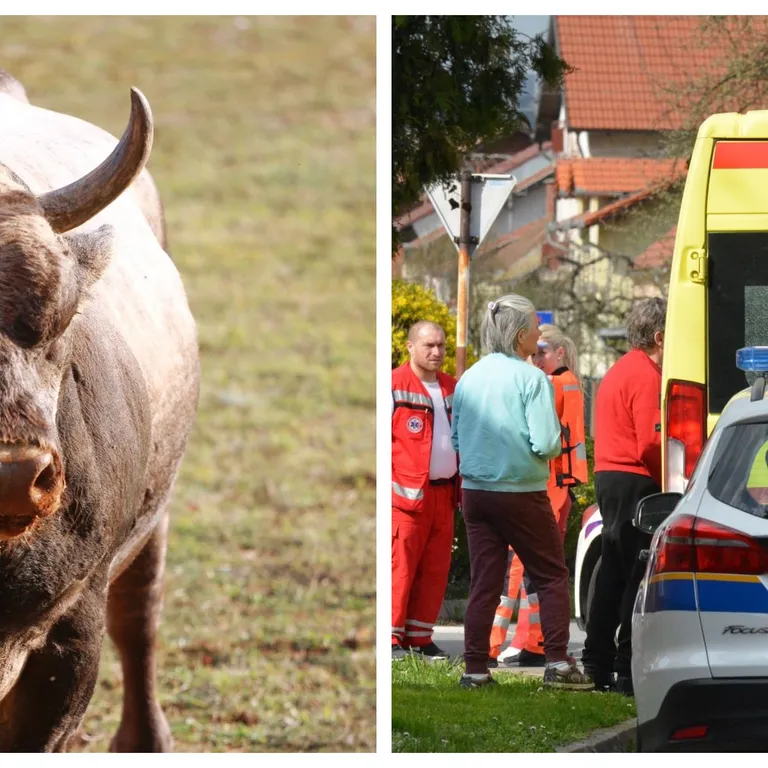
{"points": [[506, 430]]}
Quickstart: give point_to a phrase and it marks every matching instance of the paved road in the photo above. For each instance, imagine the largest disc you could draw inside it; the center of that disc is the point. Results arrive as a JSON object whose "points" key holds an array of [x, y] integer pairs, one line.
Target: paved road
{"points": [[451, 640]]}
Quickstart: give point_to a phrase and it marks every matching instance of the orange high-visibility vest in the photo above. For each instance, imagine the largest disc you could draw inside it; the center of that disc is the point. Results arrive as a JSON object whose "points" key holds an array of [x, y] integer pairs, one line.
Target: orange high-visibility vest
{"points": [[412, 427], [570, 468]]}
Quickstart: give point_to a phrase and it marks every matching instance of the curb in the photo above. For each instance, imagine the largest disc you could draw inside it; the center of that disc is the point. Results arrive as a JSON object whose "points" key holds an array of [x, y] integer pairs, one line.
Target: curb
{"points": [[615, 739]]}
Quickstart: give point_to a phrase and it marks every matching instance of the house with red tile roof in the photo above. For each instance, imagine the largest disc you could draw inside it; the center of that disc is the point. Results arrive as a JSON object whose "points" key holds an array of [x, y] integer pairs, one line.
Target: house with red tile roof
{"points": [[606, 126], [607, 120]]}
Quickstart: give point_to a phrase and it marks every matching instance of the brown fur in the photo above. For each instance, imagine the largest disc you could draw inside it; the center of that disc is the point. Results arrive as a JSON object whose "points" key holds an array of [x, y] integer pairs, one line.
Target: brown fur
{"points": [[88, 373]]}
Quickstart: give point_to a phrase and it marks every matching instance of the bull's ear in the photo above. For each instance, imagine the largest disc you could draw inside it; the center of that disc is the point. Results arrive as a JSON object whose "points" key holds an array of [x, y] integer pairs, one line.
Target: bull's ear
{"points": [[92, 251]]}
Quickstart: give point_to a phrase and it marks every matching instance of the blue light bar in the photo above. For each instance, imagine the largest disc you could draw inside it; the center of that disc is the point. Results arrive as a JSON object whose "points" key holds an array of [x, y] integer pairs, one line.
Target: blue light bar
{"points": [[752, 359]]}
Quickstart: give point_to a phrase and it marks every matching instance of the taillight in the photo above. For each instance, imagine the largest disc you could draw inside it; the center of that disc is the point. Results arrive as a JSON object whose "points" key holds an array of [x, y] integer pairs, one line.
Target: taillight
{"points": [[691, 732], [675, 549], [686, 423], [691, 544]]}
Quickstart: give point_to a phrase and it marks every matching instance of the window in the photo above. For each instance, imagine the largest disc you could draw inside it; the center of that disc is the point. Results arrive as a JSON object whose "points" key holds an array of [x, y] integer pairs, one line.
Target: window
{"points": [[739, 474], [737, 308]]}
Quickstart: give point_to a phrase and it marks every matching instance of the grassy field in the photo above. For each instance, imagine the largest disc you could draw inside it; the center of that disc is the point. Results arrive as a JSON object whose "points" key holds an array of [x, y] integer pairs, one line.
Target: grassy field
{"points": [[431, 713], [265, 156]]}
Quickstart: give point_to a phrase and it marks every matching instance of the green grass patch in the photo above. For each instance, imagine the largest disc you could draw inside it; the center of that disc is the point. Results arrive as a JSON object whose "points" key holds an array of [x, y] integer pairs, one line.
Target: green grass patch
{"points": [[264, 155], [431, 713]]}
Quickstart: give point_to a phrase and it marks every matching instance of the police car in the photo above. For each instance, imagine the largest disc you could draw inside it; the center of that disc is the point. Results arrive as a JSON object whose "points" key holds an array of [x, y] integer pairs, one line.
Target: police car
{"points": [[700, 623]]}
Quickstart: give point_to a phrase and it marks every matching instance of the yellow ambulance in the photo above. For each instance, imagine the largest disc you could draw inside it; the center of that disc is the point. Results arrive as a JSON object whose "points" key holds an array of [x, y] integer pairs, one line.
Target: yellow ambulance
{"points": [[718, 288]]}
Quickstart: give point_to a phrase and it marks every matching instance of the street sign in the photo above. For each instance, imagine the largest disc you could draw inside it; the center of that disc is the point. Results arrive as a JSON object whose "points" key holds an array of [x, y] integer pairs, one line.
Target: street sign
{"points": [[546, 316], [489, 193]]}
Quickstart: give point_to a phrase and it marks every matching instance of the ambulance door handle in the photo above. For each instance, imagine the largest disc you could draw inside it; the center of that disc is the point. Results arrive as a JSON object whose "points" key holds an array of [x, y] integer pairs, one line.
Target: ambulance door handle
{"points": [[697, 265]]}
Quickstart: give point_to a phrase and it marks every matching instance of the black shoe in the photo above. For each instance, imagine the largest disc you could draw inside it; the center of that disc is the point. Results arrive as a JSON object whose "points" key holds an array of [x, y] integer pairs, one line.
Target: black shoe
{"points": [[604, 681], [492, 663], [624, 685], [529, 659], [471, 682], [570, 679], [398, 652], [430, 651]]}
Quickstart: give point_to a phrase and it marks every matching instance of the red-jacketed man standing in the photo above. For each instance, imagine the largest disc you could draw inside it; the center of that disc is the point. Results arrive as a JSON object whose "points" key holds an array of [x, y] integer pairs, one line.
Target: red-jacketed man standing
{"points": [[627, 469], [424, 491]]}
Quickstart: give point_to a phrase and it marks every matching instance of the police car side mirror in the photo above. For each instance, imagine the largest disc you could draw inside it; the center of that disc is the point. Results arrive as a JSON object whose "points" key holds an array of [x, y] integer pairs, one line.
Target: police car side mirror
{"points": [[653, 510]]}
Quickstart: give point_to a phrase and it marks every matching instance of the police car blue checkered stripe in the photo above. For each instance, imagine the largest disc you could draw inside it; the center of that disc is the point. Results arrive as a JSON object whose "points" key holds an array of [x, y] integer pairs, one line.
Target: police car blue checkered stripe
{"points": [[717, 593], [671, 592]]}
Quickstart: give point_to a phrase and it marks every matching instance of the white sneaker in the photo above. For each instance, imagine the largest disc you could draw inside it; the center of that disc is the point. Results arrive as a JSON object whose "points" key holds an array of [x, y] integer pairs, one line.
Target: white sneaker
{"points": [[510, 655]]}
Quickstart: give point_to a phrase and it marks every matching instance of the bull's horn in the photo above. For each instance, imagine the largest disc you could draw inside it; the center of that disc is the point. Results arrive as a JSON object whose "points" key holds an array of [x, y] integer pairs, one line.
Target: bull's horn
{"points": [[73, 205]]}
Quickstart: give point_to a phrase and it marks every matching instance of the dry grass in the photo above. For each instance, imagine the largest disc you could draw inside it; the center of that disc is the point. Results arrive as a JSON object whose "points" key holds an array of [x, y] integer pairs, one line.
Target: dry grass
{"points": [[265, 156]]}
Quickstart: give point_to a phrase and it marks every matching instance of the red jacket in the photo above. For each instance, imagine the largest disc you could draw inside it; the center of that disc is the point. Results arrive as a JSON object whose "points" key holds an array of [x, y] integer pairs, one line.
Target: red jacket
{"points": [[412, 425], [628, 418]]}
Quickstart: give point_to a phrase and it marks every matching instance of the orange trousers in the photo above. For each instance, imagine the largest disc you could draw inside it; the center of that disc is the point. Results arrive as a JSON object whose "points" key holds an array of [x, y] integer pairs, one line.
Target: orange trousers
{"points": [[528, 633]]}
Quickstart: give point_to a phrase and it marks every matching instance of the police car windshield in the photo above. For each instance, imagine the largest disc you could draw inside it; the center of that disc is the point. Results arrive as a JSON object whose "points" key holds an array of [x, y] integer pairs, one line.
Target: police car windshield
{"points": [[739, 474]]}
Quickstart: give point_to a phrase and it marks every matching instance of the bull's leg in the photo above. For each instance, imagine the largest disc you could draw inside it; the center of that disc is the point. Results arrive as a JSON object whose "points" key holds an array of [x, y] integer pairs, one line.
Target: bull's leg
{"points": [[48, 701], [133, 614]]}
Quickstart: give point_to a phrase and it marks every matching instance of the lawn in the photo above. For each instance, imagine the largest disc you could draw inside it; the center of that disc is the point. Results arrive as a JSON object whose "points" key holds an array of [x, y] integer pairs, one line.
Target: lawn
{"points": [[265, 157], [431, 713]]}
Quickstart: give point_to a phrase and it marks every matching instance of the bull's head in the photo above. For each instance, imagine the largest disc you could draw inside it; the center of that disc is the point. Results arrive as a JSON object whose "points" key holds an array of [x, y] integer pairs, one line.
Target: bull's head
{"points": [[44, 278]]}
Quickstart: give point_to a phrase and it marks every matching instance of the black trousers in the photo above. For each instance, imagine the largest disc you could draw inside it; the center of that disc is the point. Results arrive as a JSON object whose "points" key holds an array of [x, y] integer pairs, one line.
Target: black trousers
{"points": [[621, 572]]}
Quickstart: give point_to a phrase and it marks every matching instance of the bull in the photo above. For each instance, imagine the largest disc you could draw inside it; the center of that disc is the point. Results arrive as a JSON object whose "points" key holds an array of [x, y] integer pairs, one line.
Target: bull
{"points": [[99, 380]]}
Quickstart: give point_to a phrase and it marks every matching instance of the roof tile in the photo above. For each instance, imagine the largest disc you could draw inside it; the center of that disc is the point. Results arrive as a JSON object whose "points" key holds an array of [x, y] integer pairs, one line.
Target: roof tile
{"points": [[629, 66], [507, 250], [614, 175], [659, 252]]}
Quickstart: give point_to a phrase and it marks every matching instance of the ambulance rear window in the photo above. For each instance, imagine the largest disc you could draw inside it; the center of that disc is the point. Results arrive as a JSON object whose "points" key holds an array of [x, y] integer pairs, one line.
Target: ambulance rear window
{"points": [[739, 474], [737, 308]]}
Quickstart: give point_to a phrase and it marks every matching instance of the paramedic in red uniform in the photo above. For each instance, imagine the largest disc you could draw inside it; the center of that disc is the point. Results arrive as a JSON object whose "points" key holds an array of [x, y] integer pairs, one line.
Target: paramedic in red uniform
{"points": [[627, 469], [424, 491]]}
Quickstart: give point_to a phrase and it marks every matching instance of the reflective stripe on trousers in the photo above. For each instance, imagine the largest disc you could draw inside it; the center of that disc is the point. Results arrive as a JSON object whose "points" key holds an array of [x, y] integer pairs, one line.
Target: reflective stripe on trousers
{"points": [[416, 623], [533, 613], [412, 494]]}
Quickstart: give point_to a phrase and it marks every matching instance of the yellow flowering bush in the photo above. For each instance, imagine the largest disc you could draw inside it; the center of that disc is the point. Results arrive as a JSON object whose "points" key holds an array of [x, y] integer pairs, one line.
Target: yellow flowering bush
{"points": [[412, 302]]}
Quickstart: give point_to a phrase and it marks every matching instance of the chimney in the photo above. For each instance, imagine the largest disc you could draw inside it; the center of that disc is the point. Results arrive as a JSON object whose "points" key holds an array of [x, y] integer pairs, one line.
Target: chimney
{"points": [[551, 192], [556, 133]]}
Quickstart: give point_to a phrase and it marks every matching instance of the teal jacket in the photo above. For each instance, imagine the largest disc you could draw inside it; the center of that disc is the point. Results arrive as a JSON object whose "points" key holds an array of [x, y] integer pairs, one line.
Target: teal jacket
{"points": [[505, 426]]}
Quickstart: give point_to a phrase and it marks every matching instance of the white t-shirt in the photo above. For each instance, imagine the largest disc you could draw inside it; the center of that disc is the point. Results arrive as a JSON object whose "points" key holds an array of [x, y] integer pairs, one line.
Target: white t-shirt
{"points": [[443, 461]]}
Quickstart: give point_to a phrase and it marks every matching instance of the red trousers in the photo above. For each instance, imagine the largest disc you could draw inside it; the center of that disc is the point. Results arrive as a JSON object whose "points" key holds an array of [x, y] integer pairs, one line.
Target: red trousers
{"points": [[421, 558], [528, 633]]}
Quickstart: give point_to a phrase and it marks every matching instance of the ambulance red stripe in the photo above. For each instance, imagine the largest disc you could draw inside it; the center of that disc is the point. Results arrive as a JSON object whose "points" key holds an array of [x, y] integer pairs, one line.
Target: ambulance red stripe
{"points": [[740, 154]]}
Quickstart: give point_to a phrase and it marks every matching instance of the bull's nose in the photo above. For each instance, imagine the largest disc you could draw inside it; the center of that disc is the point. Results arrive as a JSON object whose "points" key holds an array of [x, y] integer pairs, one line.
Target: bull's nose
{"points": [[30, 487]]}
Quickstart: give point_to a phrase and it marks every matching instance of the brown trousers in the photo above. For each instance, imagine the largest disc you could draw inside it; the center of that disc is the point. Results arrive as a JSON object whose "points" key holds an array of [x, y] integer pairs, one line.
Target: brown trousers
{"points": [[524, 521]]}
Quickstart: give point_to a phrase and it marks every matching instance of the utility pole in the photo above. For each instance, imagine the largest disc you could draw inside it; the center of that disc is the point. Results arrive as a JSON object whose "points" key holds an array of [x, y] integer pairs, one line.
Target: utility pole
{"points": [[462, 293]]}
